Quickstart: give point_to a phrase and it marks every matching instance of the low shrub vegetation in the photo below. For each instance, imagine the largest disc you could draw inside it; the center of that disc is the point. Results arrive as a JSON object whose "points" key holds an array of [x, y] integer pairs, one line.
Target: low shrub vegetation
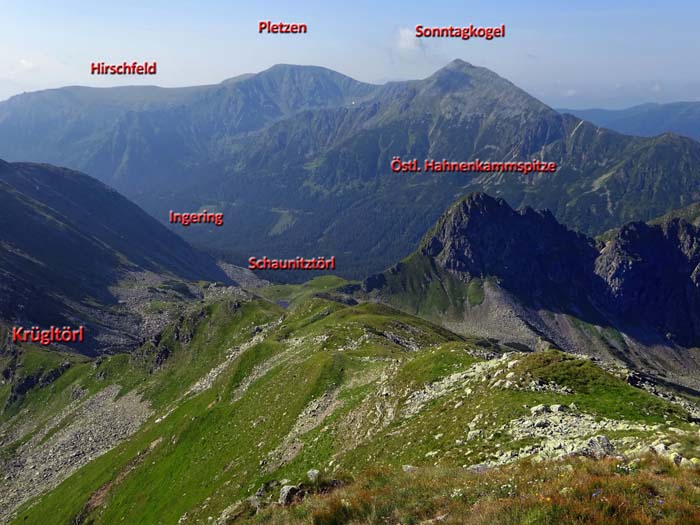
{"points": [[647, 490]]}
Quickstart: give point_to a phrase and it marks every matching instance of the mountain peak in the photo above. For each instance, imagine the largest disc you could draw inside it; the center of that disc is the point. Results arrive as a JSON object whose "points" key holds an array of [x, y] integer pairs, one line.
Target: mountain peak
{"points": [[483, 236], [466, 209], [294, 67], [480, 202], [285, 70], [480, 90], [459, 63]]}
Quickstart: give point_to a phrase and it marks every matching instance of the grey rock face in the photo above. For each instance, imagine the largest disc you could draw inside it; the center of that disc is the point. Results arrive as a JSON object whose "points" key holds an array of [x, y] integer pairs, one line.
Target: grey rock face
{"points": [[313, 475], [530, 252], [645, 274], [653, 274], [597, 447], [288, 493]]}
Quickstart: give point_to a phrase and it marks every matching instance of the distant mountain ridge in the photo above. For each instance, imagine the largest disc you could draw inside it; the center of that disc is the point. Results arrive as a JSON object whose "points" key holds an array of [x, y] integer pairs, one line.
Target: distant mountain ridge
{"points": [[298, 159], [124, 135], [647, 120]]}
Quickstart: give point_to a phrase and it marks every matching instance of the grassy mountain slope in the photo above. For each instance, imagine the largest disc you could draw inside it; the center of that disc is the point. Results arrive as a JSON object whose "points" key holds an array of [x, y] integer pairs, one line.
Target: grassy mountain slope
{"points": [[252, 394], [646, 490], [690, 214]]}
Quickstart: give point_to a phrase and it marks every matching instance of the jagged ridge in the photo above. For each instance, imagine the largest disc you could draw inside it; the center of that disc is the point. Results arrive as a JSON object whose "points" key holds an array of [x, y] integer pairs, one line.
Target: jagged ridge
{"points": [[641, 283]]}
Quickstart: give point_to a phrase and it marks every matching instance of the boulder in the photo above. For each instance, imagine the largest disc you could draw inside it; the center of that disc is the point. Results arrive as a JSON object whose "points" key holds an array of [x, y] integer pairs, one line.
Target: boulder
{"points": [[659, 448], [288, 493], [597, 447], [473, 434], [675, 457], [539, 409], [313, 475]]}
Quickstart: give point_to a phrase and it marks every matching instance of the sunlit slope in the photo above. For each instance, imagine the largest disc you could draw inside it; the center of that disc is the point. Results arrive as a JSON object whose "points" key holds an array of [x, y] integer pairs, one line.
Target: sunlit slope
{"points": [[249, 393]]}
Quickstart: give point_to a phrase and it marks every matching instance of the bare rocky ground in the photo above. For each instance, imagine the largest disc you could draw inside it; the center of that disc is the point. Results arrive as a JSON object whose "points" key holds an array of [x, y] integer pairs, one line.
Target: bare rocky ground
{"points": [[558, 430], [311, 417], [82, 432], [243, 276], [146, 302]]}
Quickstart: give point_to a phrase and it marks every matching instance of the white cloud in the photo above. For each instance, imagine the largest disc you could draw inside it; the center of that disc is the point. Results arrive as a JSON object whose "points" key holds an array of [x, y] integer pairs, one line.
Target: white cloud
{"points": [[26, 65], [656, 88], [407, 39], [570, 92]]}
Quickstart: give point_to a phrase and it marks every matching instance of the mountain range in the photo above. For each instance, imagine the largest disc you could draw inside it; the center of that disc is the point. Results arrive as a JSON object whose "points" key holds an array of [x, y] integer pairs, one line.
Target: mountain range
{"points": [[647, 120], [516, 365], [298, 158]]}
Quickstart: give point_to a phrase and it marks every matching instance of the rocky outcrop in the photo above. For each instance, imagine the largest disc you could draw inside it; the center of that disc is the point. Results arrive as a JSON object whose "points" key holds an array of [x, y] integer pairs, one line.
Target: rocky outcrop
{"points": [[530, 253], [645, 280], [288, 494], [652, 273], [22, 385]]}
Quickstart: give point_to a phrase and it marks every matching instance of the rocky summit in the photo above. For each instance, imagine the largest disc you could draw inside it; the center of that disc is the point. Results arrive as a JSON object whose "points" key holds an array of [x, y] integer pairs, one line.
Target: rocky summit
{"points": [[531, 254], [487, 269], [652, 273]]}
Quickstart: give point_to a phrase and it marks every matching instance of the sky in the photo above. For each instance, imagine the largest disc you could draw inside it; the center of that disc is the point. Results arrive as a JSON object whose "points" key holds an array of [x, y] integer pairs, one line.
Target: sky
{"points": [[568, 53]]}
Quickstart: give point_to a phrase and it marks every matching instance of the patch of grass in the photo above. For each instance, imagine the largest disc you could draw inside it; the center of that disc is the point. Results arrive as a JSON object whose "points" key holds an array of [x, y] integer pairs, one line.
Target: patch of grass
{"points": [[433, 364], [597, 391], [294, 294], [422, 288], [475, 292]]}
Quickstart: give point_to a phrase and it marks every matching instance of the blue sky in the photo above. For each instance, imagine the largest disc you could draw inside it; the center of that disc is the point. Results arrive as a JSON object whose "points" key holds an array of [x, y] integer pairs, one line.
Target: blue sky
{"points": [[566, 53]]}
